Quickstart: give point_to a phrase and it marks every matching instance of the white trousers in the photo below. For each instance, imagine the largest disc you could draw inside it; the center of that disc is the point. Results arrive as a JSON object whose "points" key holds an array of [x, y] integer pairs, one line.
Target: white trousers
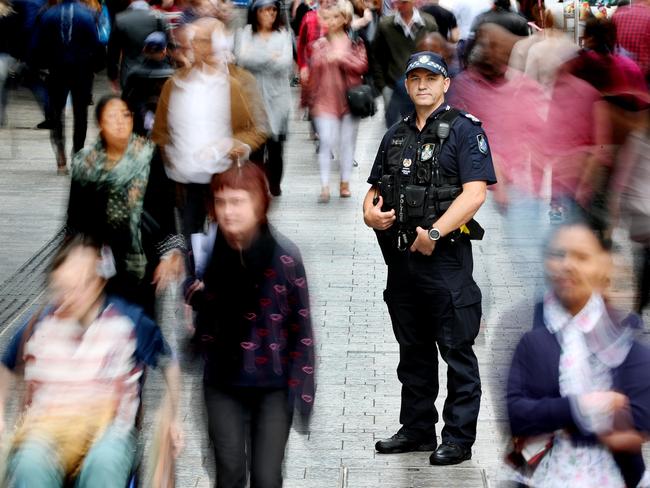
{"points": [[339, 137]]}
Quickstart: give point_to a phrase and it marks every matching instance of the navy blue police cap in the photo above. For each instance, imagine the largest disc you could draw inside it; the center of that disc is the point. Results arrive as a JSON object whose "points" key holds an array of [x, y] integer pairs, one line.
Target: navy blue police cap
{"points": [[427, 60]]}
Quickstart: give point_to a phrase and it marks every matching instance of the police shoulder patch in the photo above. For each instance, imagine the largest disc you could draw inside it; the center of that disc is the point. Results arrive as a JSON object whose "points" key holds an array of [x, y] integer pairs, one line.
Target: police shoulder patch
{"points": [[472, 118], [482, 144]]}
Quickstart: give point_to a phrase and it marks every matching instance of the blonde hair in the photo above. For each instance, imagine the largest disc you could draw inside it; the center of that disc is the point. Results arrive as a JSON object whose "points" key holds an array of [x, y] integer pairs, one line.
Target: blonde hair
{"points": [[345, 8]]}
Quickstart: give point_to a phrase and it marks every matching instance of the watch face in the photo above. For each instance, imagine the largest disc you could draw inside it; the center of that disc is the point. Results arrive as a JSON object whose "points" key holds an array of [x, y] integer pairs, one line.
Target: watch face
{"points": [[434, 234]]}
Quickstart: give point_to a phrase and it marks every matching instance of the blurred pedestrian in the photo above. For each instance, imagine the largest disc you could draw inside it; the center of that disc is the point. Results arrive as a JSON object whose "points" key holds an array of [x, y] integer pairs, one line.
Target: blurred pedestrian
{"points": [[614, 76], [541, 55], [121, 195], [145, 81], [311, 29], [264, 47], [82, 357], [8, 20], [445, 19], [466, 12], [633, 32], [68, 47], [22, 29], [511, 107], [253, 318], [365, 20], [501, 14], [338, 63], [579, 384], [199, 128], [633, 178], [131, 28], [396, 38], [599, 64], [171, 12]]}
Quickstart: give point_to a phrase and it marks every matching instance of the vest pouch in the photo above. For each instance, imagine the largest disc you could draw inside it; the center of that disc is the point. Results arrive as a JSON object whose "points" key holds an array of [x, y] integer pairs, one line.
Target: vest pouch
{"points": [[444, 205], [415, 200], [448, 193], [387, 191]]}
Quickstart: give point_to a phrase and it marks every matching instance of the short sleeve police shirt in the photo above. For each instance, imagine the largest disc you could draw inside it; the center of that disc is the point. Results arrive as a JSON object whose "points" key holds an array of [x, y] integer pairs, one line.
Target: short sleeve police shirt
{"points": [[465, 153]]}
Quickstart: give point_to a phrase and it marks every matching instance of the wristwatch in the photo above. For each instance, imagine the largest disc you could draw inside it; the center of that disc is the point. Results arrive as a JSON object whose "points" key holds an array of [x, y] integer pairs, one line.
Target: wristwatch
{"points": [[434, 234]]}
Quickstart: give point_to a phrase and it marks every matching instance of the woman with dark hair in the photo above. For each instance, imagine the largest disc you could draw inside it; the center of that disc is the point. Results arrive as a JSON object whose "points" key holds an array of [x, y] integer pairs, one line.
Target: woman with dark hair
{"points": [[252, 317], [121, 196], [264, 47], [578, 392]]}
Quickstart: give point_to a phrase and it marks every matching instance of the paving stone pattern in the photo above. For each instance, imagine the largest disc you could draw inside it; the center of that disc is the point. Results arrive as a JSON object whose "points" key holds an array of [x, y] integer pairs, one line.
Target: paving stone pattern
{"points": [[358, 399]]}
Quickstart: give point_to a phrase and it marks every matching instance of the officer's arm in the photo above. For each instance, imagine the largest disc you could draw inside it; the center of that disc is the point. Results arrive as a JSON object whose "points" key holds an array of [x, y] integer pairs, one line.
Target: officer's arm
{"points": [[463, 208], [372, 214]]}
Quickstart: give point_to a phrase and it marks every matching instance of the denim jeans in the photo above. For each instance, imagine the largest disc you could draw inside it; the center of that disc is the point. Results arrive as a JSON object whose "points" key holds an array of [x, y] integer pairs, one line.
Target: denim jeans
{"points": [[108, 464]]}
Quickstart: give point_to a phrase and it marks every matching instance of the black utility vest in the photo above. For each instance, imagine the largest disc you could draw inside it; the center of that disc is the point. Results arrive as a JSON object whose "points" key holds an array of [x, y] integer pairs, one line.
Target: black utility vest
{"points": [[412, 182]]}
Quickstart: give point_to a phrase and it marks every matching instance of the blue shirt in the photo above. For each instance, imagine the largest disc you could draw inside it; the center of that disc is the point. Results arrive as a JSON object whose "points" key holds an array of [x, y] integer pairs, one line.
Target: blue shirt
{"points": [[67, 38], [465, 154]]}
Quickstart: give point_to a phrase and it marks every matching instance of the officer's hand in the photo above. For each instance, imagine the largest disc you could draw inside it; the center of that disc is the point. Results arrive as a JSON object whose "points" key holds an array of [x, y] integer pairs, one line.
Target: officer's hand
{"points": [[422, 243], [375, 218]]}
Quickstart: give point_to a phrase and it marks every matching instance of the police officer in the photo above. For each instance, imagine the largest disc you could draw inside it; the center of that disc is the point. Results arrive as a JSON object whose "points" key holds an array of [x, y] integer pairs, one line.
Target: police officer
{"points": [[433, 167]]}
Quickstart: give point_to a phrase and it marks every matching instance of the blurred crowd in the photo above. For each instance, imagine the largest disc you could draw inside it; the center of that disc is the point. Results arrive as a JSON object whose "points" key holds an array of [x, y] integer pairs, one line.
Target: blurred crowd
{"points": [[190, 151]]}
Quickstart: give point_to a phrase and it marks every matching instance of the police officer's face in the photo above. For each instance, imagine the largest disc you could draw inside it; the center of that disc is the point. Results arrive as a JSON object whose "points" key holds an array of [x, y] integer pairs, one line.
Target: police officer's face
{"points": [[576, 266], [425, 88]]}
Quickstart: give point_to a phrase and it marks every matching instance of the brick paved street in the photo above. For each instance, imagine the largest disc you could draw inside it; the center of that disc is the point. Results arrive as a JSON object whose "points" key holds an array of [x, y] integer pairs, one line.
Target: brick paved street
{"points": [[358, 392]]}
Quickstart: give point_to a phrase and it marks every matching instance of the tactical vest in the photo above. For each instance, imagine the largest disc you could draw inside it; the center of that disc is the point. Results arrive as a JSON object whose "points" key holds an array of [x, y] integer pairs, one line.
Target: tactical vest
{"points": [[412, 182]]}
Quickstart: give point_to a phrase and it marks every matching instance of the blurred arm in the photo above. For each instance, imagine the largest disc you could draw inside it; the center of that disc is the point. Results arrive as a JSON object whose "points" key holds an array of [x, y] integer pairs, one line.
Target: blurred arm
{"points": [[172, 375], [6, 378], [528, 415]]}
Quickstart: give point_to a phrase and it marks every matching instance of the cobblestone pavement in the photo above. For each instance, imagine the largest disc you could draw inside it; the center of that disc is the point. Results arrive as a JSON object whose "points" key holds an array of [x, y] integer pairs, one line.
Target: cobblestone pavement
{"points": [[358, 392]]}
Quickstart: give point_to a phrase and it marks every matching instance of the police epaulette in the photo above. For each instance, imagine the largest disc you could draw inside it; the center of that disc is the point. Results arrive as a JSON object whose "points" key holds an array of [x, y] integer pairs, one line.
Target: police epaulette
{"points": [[472, 118]]}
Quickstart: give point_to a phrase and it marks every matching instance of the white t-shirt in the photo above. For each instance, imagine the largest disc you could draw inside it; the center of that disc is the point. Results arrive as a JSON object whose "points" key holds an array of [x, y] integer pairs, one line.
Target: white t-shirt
{"points": [[200, 125]]}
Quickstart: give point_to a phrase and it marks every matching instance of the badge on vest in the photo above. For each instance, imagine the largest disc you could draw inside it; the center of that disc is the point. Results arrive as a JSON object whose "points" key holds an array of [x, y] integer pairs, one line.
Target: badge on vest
{"points": [[406, 166], [482, 144], [427, 152]]}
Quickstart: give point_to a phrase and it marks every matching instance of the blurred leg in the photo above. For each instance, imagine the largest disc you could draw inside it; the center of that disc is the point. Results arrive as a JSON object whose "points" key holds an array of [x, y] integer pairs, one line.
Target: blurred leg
{"points": [[5, 61], [274, 164], [347, 145], [35, 463], [109, 462], [327, 127], [58, 94], [643, 288], [227, 431], [38, 87], [270, 424], [81, 92]]}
